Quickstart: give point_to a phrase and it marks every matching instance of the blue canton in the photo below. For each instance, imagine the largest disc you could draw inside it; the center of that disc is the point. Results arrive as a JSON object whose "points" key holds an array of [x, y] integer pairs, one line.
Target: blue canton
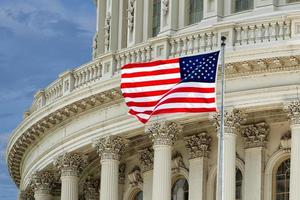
{"points": [[199, 68]]}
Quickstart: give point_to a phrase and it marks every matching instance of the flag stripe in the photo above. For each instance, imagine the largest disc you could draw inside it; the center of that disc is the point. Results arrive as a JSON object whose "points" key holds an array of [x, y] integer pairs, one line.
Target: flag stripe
{"points": [[150, 83], [149, 78], [150, 64], [149, 69], [150, 73]]}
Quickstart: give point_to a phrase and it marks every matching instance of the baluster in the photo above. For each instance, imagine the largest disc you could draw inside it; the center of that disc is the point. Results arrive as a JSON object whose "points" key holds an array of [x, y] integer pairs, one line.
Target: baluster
{"points": [[281, 30], [149, 58], [205, 42], [143, 55], [262, 32], [179, 47], [210, 40], [246, 35], [173, 46], [269, 32], [190, 44], [215, 40], [185, 48], [138, 58], [288, 29], [197, 43]]}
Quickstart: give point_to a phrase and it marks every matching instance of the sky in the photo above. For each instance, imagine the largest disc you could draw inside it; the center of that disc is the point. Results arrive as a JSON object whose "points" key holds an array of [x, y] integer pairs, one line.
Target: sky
{"points": [[39, 39]]}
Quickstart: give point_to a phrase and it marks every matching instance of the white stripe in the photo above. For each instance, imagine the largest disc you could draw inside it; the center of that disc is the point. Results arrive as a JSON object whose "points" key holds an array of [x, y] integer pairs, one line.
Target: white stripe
{"points": [[148, 88], [143, 116], [147, 69], [174, 105], [150, 78], [172, 95], [167, 87]]}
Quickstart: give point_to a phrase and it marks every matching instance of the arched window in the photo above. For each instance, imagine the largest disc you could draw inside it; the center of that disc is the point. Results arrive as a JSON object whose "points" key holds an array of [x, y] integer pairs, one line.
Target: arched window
{"points": [[282, 185], [195, 11], [138, 196], [156, 17], [241, 5], [238, 184], [180, 190]]}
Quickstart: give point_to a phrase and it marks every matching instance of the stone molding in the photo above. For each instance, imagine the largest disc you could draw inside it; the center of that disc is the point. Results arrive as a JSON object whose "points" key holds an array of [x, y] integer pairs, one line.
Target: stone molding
{"points": [[163, 132], [146, 157], [70, 164], [165, 6], [135, 177], [43, 182], [111, 147], [255, 135], [233, 119], [293, 111], [130, 10], [198, 145]]}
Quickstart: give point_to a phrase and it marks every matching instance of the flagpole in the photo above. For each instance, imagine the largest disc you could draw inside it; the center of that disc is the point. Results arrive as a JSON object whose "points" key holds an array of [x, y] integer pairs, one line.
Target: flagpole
{"points": [[221, 192]]}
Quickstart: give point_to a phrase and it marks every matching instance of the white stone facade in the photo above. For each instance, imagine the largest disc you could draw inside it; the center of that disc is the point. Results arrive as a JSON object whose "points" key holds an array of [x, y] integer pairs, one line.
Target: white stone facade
{"points": [[77, 141]]}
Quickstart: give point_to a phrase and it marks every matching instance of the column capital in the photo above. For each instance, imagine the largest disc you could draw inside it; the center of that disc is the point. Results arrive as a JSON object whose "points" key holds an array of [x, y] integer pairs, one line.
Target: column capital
{"points": [[90, 187], [111, 147], [27, 194], [198, 145], [163, 132], [232, 120], [43, 182], [255, 135], [70, 164], [146, 157], [293, 111]]}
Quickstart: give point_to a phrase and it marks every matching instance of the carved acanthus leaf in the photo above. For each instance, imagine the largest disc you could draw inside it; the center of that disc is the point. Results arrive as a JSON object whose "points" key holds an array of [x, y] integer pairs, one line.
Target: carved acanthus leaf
{"points": [[293, 111], [256, 135], [43, 182], [90, 188], [70, 164], [163, 132], [146, 159], [111, 147], [198, 145]]}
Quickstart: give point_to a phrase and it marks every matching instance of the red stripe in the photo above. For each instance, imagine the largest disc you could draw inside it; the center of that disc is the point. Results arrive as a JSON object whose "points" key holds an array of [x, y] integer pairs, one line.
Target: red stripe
{"points": [[151, 73], [150, 64], [161, 92], [150, 83], [172, 100]]}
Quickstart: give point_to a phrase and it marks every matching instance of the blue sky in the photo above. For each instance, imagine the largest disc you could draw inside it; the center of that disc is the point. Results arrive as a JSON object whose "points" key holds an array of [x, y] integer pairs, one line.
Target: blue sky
{"points": [[39, 39]]}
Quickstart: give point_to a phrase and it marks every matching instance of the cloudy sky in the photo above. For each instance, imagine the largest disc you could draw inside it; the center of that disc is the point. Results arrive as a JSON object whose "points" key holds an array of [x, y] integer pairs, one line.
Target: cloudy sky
{"points": [[39, 39]]}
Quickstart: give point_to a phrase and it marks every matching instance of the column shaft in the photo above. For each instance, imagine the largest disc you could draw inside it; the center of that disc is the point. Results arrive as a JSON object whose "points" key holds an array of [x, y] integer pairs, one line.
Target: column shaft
{"points": [[147, 185], [109, 179], [295, 162], [229, 165], [69, 187], [254, 158], [198, 177], [162, 172]]}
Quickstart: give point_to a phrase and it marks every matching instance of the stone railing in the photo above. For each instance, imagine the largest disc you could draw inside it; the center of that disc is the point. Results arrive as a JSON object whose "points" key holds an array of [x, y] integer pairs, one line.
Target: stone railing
{"points": [[109, 65]]}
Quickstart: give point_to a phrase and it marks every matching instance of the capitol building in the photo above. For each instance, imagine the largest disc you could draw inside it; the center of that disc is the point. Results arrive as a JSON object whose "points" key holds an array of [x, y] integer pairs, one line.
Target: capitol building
{"points": [[77, 142]]}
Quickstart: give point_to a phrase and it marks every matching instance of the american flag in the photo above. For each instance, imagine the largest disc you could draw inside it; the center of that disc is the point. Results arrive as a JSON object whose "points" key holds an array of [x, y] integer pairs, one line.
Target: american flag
{"points": [[185, 84]]}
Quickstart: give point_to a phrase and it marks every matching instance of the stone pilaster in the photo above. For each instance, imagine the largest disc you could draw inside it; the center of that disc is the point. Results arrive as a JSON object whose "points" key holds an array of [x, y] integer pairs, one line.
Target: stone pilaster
{"points": [[256, 137], [293, 113], [70, 165], [198, 147], [169, 16], [163, 134], [146, 157], [110, 150], [90, 188], [232, 123], [43, 184], [135, 22]]}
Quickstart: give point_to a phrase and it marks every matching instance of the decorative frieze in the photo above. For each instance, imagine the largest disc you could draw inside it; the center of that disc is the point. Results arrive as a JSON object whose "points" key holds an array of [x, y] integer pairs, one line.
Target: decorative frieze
{"points": [[293, 111], [146, 159], [135, 177], [43, 182], [163, 132], [107, 27], [256, 135], [111, 147], [165, 6], [70, 164], [198, 145], [233, 120]]}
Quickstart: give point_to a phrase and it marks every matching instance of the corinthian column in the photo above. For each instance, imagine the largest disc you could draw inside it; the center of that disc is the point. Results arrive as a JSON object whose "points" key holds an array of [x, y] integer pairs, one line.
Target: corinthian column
{"points": [[198, 147], [70, 165], [232, 122], [43, 184], [110, 150], [293, 110], [146, 160], [163, 134], [255, 136]]}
